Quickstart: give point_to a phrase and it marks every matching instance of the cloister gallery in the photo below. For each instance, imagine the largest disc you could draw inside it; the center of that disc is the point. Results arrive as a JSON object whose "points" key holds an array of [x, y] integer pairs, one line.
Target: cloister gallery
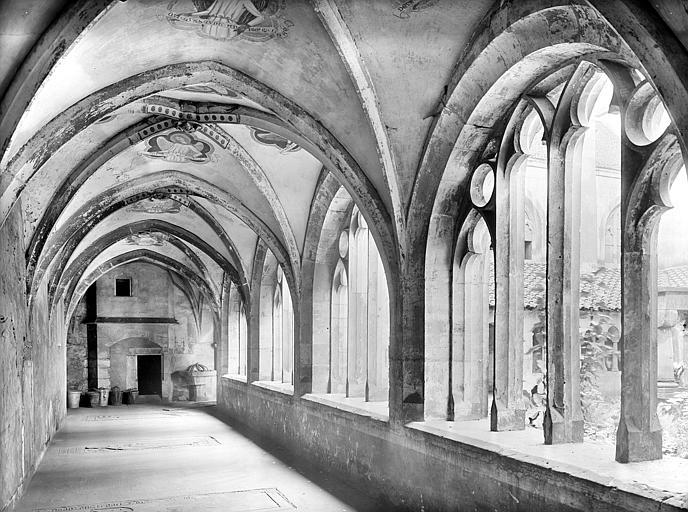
{"points": [[435, 249]]}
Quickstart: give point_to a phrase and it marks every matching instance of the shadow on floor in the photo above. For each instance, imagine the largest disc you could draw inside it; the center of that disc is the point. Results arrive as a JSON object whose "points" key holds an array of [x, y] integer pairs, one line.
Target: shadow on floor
{"points": [[361, 499]]}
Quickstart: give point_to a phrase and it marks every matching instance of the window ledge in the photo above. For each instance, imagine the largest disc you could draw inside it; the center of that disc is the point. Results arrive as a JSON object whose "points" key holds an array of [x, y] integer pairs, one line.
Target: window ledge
{"points": [[235, 377], [376, 410], [653, 479], [281, 387]]}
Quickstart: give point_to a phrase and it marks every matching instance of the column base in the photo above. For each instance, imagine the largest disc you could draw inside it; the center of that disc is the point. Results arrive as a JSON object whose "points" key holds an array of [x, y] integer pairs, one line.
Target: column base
{"points": [[558, 429], [634, 445], [504, 418]]}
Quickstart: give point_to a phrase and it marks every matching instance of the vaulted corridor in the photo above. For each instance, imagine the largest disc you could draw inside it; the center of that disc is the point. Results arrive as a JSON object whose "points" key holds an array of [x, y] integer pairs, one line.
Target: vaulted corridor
{"points": [[431, 249], [164, 458]]}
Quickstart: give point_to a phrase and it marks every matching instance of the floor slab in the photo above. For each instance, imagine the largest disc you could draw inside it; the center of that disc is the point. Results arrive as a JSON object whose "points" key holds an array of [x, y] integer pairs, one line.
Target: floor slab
{"points": [[149, 457]]}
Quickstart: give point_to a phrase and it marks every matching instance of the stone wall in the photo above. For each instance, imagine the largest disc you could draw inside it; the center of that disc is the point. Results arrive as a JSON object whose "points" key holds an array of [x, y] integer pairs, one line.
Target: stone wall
{"points": [[77, 350], [415, 470], [32, 374], [126, 328]]}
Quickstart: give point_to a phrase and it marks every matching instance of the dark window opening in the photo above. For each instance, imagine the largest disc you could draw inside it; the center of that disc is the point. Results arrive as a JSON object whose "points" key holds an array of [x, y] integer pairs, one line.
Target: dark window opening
{"points": [[528, 250], [122, 287]]}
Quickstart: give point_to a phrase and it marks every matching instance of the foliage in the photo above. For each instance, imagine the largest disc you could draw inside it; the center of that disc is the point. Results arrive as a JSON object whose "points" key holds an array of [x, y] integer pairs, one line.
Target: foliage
{"points": [[596, 348], [600, 414], [536, 396], [673, 416]]}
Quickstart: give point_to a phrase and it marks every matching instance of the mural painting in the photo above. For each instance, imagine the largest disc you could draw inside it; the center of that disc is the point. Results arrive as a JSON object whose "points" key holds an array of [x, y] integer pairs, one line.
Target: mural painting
{"points": [[257, 20], [272, 139], [157, 204], [146, 239], [211, 88], [406, 8], [178, 147]]}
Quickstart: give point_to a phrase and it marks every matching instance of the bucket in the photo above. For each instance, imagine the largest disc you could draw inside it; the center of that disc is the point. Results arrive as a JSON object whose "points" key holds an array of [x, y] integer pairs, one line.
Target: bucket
{"points": [[115, 396], [73, 398], [93, 398], [130, 396], [103, 395]]}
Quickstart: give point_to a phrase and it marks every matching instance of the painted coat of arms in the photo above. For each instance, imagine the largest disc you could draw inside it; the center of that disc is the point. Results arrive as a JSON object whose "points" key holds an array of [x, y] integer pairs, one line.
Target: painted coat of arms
{"points": [[257, 20], [179, 147]]}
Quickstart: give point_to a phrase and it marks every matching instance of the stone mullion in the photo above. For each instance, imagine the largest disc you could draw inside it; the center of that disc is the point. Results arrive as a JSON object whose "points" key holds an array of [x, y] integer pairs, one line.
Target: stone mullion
{"points": [[507, 410], [639, 435], [460, 295], [476, 340], [485, 330], [371, 323], [563, 418], [222, 346], [516, 276]]}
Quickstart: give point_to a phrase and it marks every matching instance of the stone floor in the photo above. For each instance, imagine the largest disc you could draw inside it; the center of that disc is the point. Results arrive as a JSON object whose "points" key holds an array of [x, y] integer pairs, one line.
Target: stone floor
{"points": [[161, 458]]}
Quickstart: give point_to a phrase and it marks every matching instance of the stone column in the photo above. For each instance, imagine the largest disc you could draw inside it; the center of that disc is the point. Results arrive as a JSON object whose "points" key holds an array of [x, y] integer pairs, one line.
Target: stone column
{"points": [[378, 327], [338, 336], [358, 312], [563, 421], [460, 355], [639, 436], [440, 321], [381, 389], [222, 344], [233, 332], [508, 410], [287, 335], [255, 322], [483, 286]]}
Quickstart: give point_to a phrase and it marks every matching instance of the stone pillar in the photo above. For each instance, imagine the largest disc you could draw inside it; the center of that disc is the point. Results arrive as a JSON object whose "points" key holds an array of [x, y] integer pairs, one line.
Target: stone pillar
{"points": [[483, 351], [222, 344], [508, 410], [440, 321], [338, 336], [378, 327], [255, 325], [234, 331], [358, 312], [264, 313], [460, 354], [287, 335], [277, 313], [381, 388], [563, 420], [243, 340], [639, 436]]}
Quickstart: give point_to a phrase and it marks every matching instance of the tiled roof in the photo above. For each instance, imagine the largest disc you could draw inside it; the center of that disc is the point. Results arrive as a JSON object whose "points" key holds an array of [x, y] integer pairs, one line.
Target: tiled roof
{"points": [[600, 290], [674, 277]]}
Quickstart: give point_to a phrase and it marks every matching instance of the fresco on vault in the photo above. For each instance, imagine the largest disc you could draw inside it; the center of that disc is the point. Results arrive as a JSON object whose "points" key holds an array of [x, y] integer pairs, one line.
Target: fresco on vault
{"points": [[272, 139], [257, 20], [146, 239], [405, 8], [157, 204], [178, 147], [211, 88]]}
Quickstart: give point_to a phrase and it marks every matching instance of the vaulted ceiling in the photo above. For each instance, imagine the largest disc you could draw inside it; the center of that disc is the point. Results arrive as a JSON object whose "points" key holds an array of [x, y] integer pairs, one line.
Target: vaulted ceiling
{"points": [[198, 130]]}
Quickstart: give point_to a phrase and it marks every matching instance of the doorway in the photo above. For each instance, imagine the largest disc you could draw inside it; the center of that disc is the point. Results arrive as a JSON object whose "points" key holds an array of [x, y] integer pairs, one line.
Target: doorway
{"points": [[149, 374]]}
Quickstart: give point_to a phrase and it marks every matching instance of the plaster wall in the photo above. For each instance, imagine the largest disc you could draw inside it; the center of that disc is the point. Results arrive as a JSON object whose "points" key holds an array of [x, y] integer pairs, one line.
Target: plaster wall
{"points": [[32, 369]]}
